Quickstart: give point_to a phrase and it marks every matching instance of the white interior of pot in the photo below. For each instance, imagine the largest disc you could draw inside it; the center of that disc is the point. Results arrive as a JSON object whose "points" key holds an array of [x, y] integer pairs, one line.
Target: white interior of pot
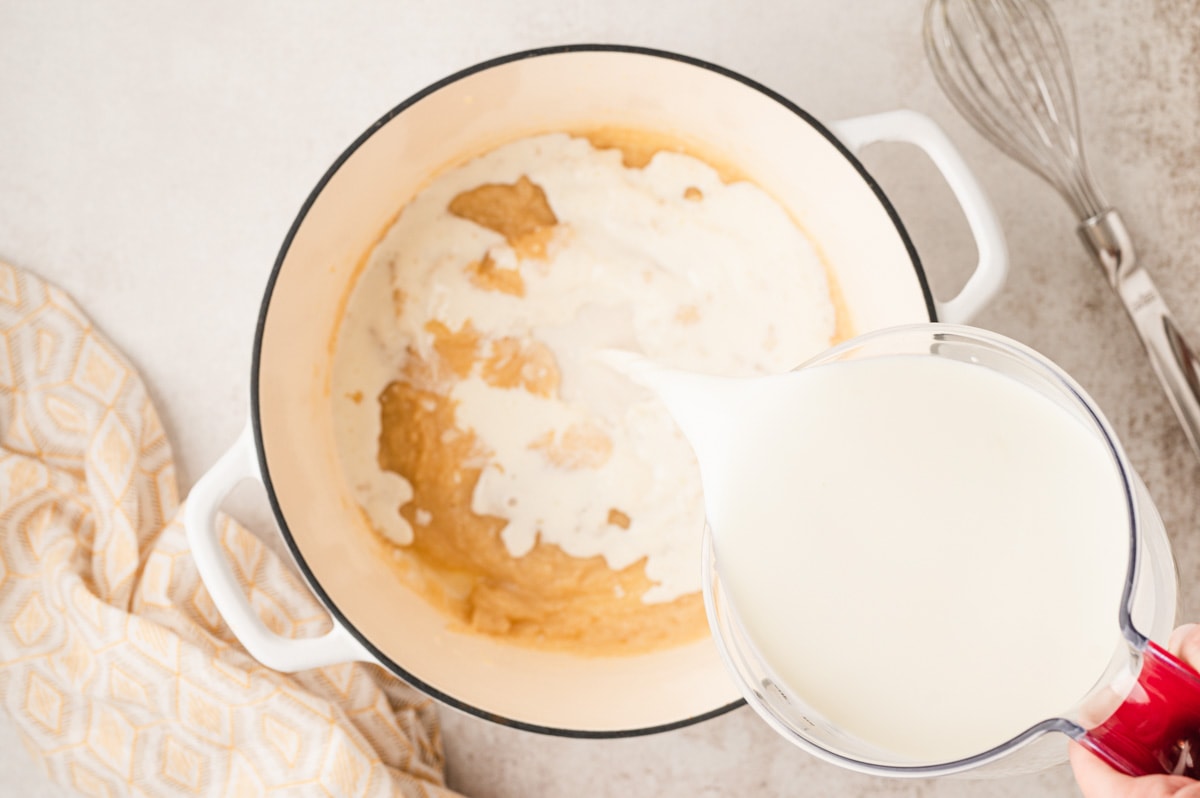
{"points": [[782, 152]]}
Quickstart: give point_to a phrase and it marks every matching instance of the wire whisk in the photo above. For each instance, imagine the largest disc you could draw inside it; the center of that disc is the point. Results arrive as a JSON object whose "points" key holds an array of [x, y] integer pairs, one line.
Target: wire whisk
{"points": [[1005, 66]]}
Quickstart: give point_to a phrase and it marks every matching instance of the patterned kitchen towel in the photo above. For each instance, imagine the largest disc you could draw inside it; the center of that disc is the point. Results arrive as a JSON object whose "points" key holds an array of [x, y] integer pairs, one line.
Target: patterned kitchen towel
{"points": [[114, 663]]}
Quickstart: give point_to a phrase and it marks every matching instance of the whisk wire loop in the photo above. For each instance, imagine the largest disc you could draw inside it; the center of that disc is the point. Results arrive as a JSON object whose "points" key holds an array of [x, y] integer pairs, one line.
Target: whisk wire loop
{"points": [[1004, 64]]}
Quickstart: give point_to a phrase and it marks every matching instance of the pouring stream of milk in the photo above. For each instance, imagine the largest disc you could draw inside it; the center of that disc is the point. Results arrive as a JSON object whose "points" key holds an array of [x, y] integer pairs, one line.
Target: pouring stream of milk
{"points": [[929, 554]]}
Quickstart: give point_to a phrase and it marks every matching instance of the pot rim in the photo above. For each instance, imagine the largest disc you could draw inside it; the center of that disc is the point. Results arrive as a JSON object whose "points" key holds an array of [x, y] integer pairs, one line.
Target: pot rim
{"points": [[256, 362]]}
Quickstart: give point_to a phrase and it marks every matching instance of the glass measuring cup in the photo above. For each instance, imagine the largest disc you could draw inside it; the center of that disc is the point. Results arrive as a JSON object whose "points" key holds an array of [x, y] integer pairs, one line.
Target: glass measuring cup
{"points": [[1143, 711]]}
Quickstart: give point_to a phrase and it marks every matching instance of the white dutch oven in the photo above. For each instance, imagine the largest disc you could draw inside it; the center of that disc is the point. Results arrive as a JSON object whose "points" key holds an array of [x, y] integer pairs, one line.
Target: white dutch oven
{"points": [[289, 444]]}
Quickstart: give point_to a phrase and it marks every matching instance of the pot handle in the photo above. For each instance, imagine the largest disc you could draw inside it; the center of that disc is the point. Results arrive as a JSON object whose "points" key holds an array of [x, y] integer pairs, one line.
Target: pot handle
{"points": [[200, 520], [914, 128]]}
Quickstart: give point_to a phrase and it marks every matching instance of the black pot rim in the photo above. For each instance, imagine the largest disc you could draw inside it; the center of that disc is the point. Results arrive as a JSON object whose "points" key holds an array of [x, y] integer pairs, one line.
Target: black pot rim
{"points": [[256, 363]]}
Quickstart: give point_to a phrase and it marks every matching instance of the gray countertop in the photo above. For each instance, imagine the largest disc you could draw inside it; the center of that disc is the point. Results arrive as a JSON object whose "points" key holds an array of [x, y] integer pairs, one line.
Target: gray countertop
{"points": [[152, 156]]}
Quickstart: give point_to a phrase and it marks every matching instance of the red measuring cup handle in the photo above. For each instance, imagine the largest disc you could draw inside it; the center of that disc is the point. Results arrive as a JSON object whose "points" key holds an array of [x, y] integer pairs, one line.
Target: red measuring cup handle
{"points": [[1157, 727]]}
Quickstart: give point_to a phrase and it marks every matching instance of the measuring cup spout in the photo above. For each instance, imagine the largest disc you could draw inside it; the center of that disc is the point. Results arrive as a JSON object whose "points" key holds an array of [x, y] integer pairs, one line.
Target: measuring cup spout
{"points": [[1156, 729], [699, 403]]}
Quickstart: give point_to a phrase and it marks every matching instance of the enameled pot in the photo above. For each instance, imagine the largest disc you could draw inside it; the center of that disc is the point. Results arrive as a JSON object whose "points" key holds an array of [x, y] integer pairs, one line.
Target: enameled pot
{"points": [[289, 444]]}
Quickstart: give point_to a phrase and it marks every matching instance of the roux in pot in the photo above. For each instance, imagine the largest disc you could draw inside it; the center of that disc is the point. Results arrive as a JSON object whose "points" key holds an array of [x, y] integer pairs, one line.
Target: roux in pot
{"points": [[524, 487]]}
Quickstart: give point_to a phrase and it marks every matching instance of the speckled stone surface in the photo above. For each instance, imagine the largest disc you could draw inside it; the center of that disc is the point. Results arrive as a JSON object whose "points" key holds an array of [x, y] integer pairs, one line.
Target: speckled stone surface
{"points": [[152, 156]]}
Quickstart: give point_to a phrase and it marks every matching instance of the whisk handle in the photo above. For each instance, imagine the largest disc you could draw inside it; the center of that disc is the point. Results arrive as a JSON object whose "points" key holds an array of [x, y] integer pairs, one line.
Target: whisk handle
{"points": [[1172, 358], [914, 128]]}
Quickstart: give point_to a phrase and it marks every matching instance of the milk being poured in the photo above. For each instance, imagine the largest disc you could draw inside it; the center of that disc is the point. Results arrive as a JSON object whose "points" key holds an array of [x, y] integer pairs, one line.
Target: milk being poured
{"points": [[929, 554]]}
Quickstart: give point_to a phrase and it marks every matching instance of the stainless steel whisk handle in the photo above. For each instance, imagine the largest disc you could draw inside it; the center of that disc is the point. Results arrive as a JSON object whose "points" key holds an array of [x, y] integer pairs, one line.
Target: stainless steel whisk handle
{"points": [[1173, 360]]}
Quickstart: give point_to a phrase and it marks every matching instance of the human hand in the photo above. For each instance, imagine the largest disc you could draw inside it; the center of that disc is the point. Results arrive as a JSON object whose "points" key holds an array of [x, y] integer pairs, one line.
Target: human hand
{"points": [[1098, 780]]}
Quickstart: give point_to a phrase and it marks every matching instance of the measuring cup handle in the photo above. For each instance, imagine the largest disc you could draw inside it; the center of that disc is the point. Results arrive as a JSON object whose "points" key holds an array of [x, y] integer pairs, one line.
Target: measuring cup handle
{"points": [[1156, 729]]}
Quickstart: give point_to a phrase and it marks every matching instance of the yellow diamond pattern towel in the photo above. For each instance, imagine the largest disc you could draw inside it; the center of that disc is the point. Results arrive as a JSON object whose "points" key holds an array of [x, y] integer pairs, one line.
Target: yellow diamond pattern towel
{"points": [[114, 663]]}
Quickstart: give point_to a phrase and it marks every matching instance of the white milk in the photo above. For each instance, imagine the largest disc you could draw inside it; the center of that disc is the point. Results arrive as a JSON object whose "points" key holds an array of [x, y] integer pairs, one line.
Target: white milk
{"points": [[928, 553]]}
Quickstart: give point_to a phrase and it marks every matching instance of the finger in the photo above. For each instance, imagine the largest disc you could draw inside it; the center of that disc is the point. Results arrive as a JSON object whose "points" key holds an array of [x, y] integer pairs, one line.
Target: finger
{"points": [[1185, 644], [1099, 780], [1096, 779]]}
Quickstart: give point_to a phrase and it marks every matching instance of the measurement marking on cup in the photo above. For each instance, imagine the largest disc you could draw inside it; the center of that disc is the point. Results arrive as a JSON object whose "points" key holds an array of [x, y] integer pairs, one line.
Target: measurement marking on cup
{"points": [[775, 691]]}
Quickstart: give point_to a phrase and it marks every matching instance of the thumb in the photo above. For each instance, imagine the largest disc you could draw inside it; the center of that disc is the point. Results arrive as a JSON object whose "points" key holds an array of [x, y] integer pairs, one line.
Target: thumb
{"points": [[1097, 780], [1185, 644]]}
